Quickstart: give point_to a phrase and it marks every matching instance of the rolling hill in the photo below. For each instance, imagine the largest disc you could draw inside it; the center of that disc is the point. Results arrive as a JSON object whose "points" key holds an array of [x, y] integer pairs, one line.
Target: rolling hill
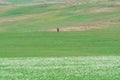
{"points": [[40, 17], [86, 48], [28, 28]]}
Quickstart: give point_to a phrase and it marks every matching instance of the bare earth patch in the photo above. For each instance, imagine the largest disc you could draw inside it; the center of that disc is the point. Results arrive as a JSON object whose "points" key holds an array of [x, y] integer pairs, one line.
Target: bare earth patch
{"points": [[4, 2], [7, 8], [94, 10], [75, 28], [83, 28], [117, 3], [99, 10], [11, 19]]}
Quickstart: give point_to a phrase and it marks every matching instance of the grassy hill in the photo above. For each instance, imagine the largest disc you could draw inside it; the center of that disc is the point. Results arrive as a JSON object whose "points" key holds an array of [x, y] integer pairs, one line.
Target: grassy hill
{"points": [[86, 48], [86, 28], [47, 16]]}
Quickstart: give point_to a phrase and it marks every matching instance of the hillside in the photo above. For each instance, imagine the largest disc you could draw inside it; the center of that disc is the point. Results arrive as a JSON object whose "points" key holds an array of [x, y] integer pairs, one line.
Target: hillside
{"points": [[46, 17], [87, 46], [86, 28], [13, 2]]}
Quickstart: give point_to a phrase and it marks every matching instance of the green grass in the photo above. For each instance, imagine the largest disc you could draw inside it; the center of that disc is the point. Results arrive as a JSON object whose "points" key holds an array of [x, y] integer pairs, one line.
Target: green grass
{"points": [[93, 42], [28, 51], [21, 29], [60, 68], [21, 37]]}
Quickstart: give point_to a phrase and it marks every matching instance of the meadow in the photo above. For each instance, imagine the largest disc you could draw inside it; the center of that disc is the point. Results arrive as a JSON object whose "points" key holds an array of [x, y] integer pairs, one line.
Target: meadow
{"points": [[86, 28], [60, 68], [86, 48], [60, 44]]}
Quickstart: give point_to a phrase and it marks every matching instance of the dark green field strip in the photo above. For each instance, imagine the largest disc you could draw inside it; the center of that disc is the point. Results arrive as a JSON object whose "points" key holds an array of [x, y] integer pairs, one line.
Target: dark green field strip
{"points": [[59, 44]]}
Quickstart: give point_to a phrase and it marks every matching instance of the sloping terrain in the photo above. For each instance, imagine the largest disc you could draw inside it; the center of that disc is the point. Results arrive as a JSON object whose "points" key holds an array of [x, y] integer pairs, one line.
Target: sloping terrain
{"points": [[86, 28], [47, 17], [4, 2], [86, 48]]}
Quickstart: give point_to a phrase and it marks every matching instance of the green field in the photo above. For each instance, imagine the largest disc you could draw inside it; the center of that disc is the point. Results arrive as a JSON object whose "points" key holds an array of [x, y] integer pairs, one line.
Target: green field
{"points": [[86, 48], [91, 43], [29, 30], [62, 68]]}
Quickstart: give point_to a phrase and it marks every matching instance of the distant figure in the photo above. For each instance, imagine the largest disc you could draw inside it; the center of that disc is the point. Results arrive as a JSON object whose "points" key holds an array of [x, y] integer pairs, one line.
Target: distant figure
{"points": [[58, 30]]}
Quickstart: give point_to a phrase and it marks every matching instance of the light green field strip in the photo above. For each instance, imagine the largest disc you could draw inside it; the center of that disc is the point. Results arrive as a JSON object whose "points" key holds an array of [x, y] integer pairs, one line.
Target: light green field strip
{"points": [[60, 68]]}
